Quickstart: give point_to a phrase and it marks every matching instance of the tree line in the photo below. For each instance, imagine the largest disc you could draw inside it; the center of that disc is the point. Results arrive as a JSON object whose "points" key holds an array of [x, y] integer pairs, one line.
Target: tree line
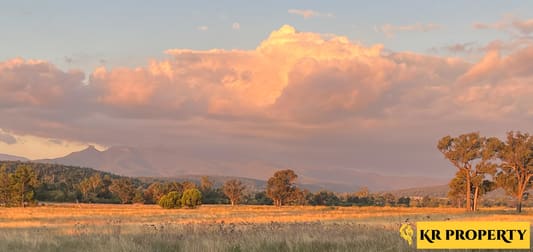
{"points": [[486, 163], [26, 183]]}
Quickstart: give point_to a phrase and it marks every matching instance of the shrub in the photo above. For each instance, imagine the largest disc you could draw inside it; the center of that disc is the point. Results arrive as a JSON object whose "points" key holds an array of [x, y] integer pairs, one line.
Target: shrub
{"points": [[191, 198], [171, 200]]}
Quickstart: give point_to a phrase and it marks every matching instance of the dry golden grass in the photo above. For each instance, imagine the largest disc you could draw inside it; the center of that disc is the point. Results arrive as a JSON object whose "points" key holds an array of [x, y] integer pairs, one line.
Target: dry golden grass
{"points": [[95, 227], [56, 215]]}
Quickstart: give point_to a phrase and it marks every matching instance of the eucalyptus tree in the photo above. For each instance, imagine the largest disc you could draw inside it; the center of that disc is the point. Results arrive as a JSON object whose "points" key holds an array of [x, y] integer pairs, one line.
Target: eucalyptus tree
{"points": [[473, 156], [516, 168]]}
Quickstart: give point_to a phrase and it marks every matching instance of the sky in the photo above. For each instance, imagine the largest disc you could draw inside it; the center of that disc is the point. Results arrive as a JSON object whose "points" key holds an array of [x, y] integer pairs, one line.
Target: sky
{"points": [[302, 84]]}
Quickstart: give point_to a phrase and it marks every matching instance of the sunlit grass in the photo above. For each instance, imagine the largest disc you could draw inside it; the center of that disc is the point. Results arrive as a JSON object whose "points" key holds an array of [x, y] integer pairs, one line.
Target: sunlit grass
{"points": [[89, 227]]}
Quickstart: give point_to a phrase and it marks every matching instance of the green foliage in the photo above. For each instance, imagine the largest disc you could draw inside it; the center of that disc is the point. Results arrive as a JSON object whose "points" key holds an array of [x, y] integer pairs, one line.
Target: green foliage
{"points": [[171, 200], [23, 182], [191, 198], [325, 198]]}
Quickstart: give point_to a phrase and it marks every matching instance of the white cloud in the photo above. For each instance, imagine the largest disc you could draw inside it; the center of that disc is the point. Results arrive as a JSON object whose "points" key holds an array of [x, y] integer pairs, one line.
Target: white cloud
{"points": [[202, 28], [309, 13], [236, 26]]}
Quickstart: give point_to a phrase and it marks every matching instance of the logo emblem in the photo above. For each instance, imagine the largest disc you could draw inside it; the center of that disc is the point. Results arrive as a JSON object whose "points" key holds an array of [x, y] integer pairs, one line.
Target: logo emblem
{"points": [[406, 232]]}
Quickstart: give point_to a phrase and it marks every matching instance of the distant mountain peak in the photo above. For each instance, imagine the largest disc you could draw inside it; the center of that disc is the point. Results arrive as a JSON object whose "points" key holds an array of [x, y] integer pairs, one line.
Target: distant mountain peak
{"points": [[90, 148]]}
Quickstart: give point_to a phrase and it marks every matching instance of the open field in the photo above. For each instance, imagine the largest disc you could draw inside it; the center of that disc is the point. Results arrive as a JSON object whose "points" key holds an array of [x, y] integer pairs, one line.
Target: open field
{"points": [[70, 227]]}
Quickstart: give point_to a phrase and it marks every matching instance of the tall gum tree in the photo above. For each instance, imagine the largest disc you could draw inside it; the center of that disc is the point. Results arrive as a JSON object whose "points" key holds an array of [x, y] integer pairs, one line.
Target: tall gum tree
{"points": [[462, 152], [516, 167]]}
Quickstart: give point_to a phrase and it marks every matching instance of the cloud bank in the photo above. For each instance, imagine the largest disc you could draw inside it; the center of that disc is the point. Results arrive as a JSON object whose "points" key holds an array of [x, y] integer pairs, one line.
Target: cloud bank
{"points": [[299, 99]]}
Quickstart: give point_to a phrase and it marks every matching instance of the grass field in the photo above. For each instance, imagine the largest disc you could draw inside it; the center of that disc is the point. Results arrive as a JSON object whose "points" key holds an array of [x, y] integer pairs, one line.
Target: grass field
{"points": [[71, 227]]}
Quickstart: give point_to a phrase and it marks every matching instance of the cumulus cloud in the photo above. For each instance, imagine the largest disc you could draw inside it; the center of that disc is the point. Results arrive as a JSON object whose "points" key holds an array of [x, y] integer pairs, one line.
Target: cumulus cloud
{"points": [[390, 30], [305, 13], [294, 89]]}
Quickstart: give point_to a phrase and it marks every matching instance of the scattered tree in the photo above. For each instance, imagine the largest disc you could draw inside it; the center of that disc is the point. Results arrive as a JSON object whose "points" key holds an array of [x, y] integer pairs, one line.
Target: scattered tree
{"points": [[281, 186], [191, 198], [234, 190], [170, 200]]}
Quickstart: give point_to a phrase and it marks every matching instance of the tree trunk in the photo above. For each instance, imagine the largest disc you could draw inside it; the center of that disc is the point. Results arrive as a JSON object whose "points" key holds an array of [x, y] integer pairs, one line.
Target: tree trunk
{"points": [[468, 192], [232, 202], [22, 195], [519, 200], [476, 195]]}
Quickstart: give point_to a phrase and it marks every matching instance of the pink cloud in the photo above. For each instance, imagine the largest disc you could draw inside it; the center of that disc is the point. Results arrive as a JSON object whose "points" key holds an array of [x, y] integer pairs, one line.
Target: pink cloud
{"points": [[297, 99], [509, 23], [291, 77], [35, 83]]}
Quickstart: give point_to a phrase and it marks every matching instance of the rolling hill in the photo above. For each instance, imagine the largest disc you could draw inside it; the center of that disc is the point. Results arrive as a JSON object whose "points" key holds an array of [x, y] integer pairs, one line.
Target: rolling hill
{"points": [[165, 163]]}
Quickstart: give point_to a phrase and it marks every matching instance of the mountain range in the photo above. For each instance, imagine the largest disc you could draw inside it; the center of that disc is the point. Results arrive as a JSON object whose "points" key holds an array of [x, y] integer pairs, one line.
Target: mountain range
{"points": [[6, 157], [167, 163]]}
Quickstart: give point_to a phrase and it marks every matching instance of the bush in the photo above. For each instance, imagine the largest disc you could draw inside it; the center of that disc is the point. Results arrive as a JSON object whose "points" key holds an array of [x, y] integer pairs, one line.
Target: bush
{"points": [[191, 198], [171, 200]]}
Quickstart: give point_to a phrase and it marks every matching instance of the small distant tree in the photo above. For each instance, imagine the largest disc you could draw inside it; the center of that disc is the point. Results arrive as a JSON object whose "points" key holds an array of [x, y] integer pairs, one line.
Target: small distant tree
{"points": [[325, 198], [170, 200], [138, 196], [404, 201], [205, 184], [85, 188], [24, 182], [174, 186], [191, 198], [363, 192], [122, 188], [188, 185], [390, 199], [234, 190], [281, 186], [301, 197], [154, 192]]}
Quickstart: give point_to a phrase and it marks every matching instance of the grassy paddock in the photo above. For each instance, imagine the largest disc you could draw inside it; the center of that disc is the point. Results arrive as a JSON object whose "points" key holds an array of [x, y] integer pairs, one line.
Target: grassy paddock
{"points": [[91, 227]]}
